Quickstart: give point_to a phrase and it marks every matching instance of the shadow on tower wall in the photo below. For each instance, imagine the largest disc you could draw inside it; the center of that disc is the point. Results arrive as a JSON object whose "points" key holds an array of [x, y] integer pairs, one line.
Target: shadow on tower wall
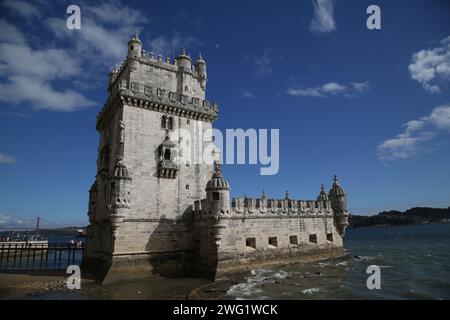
{"points": [[182, 248]]}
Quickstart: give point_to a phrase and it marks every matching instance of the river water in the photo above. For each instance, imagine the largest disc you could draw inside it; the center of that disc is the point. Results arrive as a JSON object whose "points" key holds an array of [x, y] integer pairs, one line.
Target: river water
{"points": [[414, 262]]}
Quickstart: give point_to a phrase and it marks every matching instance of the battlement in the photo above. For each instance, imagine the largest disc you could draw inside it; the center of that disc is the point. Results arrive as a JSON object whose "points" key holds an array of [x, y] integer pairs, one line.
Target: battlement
{"points": [[243, 206]]}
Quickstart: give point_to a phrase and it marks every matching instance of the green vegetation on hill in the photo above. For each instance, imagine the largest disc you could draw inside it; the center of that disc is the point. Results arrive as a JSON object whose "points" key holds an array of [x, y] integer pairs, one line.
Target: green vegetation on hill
{"points": [[419, 215]]}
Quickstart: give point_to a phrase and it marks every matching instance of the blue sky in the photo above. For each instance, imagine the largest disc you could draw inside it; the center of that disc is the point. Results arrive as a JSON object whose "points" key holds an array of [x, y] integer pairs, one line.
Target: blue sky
{"points": [[372, 106]]}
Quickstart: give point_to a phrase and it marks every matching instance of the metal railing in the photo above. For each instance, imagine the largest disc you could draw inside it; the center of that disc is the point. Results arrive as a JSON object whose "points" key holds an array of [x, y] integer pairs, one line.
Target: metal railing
{"points": [[40, 256]]}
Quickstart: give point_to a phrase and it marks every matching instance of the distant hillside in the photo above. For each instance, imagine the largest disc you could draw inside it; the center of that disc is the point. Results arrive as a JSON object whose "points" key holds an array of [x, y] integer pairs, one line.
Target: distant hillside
{"points": [[69, 231], [417, 215]]}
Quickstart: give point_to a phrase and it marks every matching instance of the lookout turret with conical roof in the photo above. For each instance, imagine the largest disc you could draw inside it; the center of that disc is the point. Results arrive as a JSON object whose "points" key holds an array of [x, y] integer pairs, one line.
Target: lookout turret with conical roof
{"points": [[134, 47], [338, 200], [323, 196], [218, 192], [337, 196], [200, 67], [120, 196], [184, 61]]}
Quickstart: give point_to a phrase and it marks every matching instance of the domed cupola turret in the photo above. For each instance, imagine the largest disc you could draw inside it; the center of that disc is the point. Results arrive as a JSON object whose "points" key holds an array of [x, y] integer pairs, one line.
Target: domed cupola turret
{"points": [[184, 61], [323, 196], [200, 67], [120, 185], [217, 181], [338, 197], [338, 200], [336, 189], [218, 192], [134, 47]]}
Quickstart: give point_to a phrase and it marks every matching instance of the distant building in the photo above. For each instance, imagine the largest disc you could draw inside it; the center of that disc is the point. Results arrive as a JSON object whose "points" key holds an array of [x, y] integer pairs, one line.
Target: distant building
{"points": [[151, 215]]}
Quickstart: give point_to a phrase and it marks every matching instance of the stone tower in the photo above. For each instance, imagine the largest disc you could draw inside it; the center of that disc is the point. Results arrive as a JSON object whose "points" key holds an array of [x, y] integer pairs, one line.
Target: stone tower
{"points": [[158, 205], [140, 204]]}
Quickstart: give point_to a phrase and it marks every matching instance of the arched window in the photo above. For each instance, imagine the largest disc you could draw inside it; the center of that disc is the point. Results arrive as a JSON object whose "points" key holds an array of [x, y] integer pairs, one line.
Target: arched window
{"points": [[170, 123], [163, 122], [167, 154]]}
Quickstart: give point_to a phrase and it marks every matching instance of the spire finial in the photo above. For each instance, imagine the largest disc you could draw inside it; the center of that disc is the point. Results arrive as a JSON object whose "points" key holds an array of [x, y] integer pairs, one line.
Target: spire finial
{"points": [[263, 196], [217, 168], [335, 181], [287, 195], [322, 188]]}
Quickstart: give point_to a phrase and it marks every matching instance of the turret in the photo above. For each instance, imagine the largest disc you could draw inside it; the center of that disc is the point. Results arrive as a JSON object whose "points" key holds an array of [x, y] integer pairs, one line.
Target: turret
{"points": [[337, 197], [218, 192], [92, 202], [200, 67], [112, 76], [184, 61], [338, 200], [323, 196], [134, 47], [120, 195]]}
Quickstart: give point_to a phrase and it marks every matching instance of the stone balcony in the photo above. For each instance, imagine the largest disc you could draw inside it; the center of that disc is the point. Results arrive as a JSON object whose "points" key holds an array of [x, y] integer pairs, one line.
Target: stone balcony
{"points": [[167, 169]]}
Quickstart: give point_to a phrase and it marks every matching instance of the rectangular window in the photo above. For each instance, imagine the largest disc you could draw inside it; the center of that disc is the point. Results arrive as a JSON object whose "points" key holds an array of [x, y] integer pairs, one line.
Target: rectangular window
{"points": [[273, 241], [293, 240], [250, 242], [330, 237], [216, 196], [313, 238]]}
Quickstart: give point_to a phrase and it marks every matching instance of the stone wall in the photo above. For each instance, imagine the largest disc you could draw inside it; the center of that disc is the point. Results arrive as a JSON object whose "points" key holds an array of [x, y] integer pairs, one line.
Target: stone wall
{"points": [[250, 232]]}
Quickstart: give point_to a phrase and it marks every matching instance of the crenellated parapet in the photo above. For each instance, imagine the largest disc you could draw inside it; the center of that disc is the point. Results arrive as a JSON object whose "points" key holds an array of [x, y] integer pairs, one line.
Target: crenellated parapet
{"points": [[244, 206], [157, 99], [276, 207]]}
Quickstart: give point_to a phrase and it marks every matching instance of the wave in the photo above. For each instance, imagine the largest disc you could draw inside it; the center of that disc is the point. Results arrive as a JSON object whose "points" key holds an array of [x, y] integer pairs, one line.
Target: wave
{"points": [[310, 290], [257, 278]]}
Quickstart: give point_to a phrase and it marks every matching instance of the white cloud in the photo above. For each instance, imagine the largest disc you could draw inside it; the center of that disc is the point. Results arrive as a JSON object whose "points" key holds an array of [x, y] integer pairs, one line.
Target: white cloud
{"points": [[29, 74], [95, 44], [417, 132], [20, 59], [331, 88], [42, 95], [308, 92], [4, 219], [248, 94], [10, 33], [264, 63], [13, 222], [169, 46], [323, 20], [360, 86], [116, 14], [53, 75], [7, 159], [23, 8], [431, 67]]}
